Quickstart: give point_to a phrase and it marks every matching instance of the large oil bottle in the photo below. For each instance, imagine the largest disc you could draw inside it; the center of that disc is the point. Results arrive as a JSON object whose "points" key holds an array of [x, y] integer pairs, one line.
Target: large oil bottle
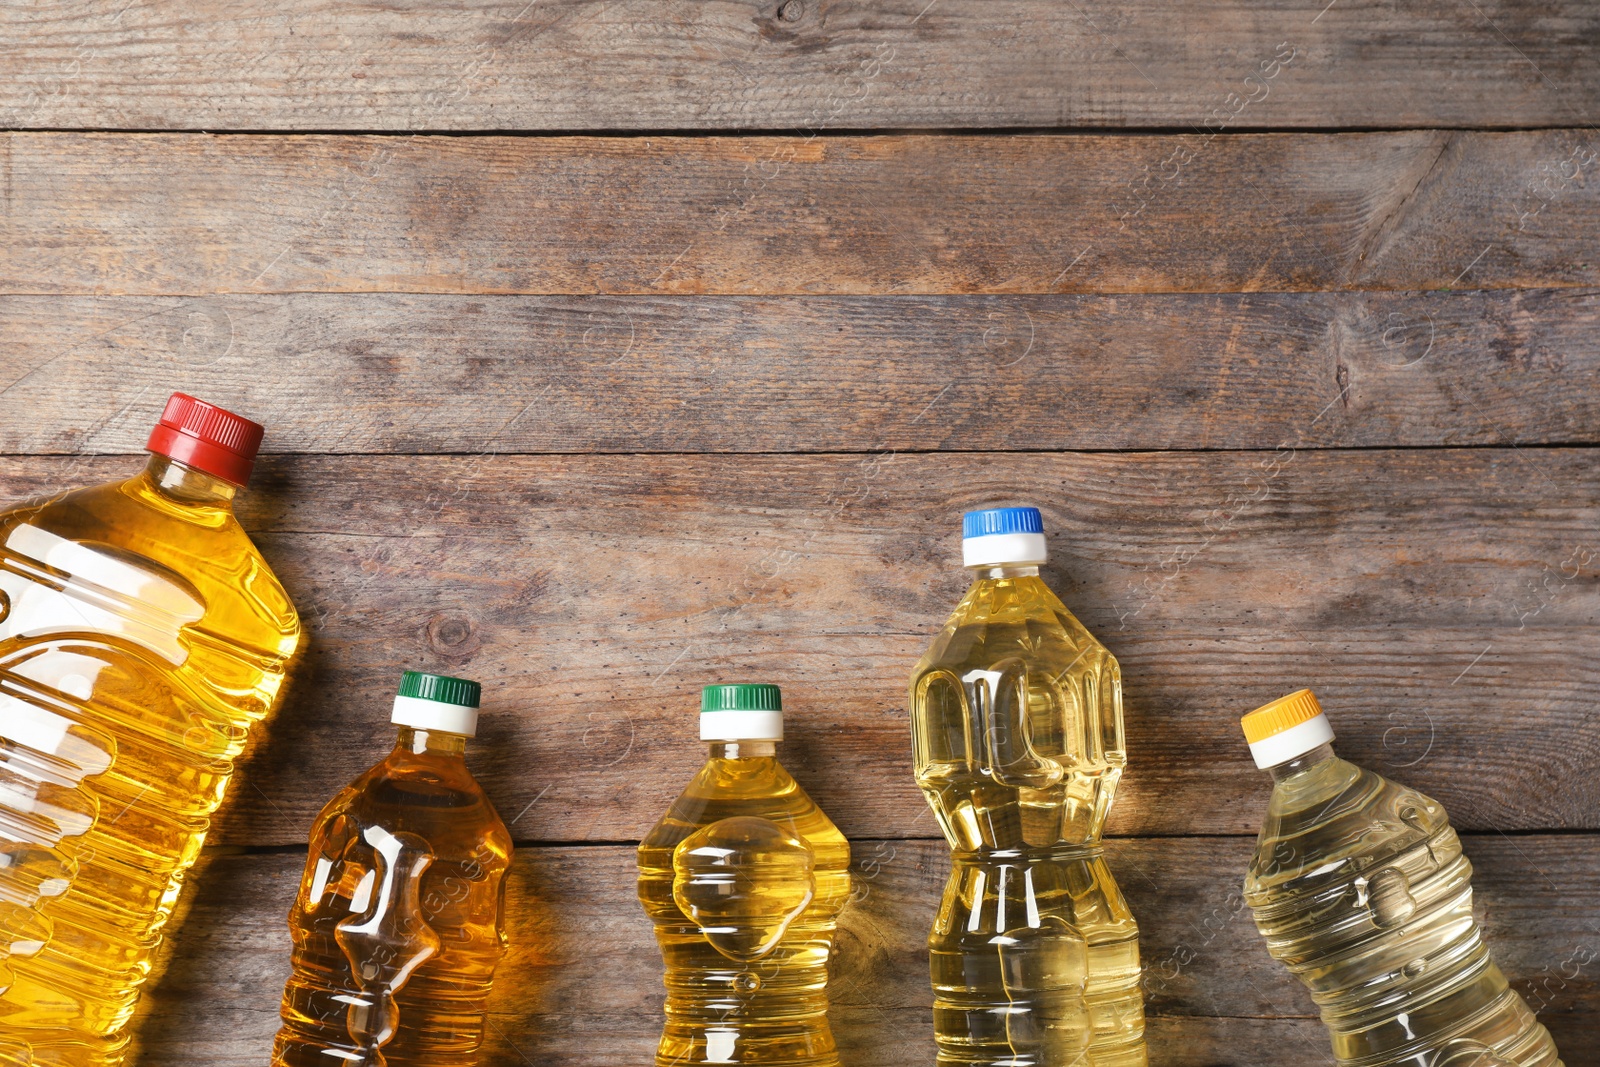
{"points": [[1016, 719], [745, 878], [400, 920], [141, 636], [1360, 888]]}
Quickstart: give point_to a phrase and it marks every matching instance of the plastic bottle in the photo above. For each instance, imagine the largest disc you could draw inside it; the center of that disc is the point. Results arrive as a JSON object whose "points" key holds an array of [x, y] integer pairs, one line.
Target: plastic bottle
{"points": [[400, 919], [1016, 719], [745, 878], [141, 636], [1360, 888]]}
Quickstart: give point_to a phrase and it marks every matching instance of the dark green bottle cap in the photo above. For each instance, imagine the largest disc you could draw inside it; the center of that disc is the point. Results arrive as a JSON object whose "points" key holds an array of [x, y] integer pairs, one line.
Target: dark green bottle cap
{"points": [[440, 688], [741, 697]]}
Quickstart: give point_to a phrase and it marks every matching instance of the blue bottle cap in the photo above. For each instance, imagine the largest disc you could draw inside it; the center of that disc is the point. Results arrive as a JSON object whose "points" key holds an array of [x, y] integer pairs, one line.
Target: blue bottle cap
{"points": [[999, 536], [1001, 521]]}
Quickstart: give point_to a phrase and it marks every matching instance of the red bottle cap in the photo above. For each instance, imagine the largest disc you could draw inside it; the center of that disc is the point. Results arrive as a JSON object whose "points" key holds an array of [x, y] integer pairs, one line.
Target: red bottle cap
{"points": [[207, 438]]}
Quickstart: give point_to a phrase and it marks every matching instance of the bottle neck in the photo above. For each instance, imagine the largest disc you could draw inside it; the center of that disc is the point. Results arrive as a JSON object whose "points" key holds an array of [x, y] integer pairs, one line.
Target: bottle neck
{"points": [[1004, 570], [1302, 763], [744, 749], [184, 484], [432, 742]]}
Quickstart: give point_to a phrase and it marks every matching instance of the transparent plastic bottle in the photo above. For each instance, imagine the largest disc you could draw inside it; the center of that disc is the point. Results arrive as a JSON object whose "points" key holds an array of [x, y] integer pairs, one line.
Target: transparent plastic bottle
{"points": [[399, 924], [745, 878], [141, 637], [1016, 719], [1360, 888]]}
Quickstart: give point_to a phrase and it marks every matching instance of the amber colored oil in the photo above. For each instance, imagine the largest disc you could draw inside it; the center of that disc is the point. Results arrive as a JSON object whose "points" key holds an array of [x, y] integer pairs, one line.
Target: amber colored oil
{"points": [[745, 878], [141, 636], [399, 923], [1016, 719], [1360, 888]]}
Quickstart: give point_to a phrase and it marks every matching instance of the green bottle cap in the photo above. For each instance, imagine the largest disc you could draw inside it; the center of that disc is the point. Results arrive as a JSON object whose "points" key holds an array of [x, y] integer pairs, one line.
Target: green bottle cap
{"points": [[437, 702], [741, 713], [741, 697], [441, 689]]}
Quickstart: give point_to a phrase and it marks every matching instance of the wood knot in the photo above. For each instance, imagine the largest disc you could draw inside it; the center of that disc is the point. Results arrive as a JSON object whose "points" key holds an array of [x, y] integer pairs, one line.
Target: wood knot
{"points": [[453, 635]]}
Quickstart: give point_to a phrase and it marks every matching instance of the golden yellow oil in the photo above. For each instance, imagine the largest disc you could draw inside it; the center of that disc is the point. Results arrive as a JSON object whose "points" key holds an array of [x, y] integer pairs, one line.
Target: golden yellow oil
{"points": [[1016, 720], [399, 923], [1360, 888], [141, 636], [745, 878]]}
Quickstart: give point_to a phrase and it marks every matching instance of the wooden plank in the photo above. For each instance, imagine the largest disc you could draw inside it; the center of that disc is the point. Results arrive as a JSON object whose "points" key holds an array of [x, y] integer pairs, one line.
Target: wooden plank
{"points": [[662, 374], [587, 65], [188, 214], [582, 982], [1443, 602]]}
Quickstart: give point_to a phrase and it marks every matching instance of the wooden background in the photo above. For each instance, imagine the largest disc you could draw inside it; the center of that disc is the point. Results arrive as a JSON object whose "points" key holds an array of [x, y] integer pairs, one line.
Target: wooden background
{"points": [[608, 349]]}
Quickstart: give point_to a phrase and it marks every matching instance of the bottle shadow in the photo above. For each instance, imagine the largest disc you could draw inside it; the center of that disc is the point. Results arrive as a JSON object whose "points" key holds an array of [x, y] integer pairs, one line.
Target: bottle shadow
{"points": [[213, 996]]}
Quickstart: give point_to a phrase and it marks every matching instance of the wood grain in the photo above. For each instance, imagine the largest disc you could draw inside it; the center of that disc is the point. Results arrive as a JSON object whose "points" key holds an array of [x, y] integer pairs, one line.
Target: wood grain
{"points": [[191, 214], [788, 374], [702, 399], [582, 984], [587, 65], [1442, 602]]}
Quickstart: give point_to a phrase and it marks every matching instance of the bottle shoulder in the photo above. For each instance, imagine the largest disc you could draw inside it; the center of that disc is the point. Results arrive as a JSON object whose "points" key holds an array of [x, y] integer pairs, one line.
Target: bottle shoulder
{"points": [[1013, 618], [436, 798], [1338, 822], [746, 788], [193, 562], [127, 512]]}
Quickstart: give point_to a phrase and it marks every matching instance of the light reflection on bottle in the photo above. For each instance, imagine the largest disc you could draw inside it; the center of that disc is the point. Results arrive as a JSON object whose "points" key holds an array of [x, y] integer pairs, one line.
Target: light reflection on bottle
{"points": [[386, 937]]}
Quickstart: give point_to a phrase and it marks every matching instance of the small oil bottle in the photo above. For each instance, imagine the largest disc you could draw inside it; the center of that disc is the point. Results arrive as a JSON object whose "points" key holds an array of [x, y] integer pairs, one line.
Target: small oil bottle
{"points": [[745, 878], [399, 922], [1360, 888]]}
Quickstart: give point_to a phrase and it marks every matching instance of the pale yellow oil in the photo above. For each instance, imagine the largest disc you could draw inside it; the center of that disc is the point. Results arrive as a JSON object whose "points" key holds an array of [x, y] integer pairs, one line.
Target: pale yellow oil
{"points": [[399, 922], [745, 878], [141, 636], [1016, 719], [1360, 888]]}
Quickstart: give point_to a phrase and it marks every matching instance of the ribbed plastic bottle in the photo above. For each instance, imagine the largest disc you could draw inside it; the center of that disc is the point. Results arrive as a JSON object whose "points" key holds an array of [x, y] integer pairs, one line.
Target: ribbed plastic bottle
{"points": [[399, 923], [1016, 721], [745, 878], [1360, 888], [141, 637]]}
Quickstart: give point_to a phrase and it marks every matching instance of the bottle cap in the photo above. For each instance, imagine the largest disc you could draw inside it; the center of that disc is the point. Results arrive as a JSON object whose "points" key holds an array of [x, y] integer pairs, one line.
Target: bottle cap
{"points": [[437, 702], [745, 712], [207, 438], [1288, 727], [998, 536]]}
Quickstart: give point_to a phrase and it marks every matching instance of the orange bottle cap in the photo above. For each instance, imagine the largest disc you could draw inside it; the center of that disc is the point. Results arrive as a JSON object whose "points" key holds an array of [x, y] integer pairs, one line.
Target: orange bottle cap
{"points": [[1286, 728]]}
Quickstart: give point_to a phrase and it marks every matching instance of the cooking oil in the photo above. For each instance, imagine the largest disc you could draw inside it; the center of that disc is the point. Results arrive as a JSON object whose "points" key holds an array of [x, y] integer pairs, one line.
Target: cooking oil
{"points": [[1360, 888], [1016, 721], [745, 878], [399, 922], [141, 636]]}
